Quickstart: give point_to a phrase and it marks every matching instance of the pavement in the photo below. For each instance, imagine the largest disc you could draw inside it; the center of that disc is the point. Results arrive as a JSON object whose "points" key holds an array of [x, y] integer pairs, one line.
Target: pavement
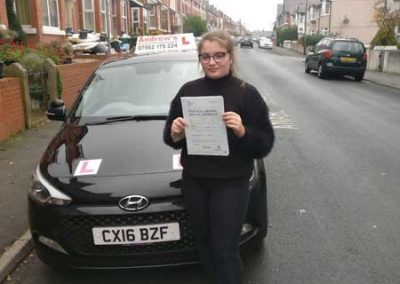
{"points": [[20, 154], [384, 79]]}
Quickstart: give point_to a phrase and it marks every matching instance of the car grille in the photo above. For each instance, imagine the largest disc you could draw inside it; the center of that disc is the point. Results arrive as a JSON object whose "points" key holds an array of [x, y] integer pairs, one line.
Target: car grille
{"points": [[76, 234]]}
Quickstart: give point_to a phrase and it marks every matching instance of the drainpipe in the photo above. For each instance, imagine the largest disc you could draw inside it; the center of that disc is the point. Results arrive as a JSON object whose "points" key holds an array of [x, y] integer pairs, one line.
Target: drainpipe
{"points": [[330, 16], [305, 28], [108, 27]]}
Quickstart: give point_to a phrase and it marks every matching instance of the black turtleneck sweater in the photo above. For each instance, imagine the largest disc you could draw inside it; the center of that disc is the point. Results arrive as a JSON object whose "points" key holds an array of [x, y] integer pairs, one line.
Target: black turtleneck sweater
{"points": [[239, 97]]}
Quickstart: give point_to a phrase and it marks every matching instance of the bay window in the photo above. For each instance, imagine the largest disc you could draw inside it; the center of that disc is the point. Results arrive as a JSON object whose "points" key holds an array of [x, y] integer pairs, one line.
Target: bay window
{"points": [[124, 16], [50, 13], [88, 15]]}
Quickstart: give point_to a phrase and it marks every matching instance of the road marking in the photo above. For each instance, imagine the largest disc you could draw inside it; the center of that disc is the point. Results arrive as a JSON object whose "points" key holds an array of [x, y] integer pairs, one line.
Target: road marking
{"points": [[269, 100], [279, 118]]}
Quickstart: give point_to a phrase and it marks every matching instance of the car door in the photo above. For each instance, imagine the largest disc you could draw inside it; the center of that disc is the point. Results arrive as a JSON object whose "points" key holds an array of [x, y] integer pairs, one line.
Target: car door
{"points": [[314, 56], [321, 48]]}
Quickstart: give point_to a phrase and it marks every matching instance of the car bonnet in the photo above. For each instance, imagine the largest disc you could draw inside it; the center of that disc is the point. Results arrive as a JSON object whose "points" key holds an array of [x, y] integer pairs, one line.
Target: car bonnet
{"points": [[116, 149]]}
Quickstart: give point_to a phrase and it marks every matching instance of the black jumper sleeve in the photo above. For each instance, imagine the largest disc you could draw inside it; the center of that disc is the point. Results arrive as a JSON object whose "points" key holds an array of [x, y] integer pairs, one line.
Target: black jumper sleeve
{"points": [[259, 137], [174, 112]]}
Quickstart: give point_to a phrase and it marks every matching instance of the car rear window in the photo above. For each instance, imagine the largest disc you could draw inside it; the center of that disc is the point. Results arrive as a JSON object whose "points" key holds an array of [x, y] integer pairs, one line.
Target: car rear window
{"points": [[348, 46]]}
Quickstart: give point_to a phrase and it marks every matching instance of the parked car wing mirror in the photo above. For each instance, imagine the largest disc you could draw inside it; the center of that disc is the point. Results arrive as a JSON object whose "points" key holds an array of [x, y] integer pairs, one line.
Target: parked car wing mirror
{"points": [[57, 110], [311, 49]]}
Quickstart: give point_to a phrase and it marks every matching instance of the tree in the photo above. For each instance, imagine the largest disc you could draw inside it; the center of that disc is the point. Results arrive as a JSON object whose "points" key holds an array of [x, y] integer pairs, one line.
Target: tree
{"points": [[311, 40], [195, 25], [386, 25], [286, 33]]}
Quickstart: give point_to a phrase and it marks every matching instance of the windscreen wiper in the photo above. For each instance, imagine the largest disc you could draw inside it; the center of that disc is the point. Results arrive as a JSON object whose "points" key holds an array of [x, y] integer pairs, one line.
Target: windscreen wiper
{"points": [[127, 118]]}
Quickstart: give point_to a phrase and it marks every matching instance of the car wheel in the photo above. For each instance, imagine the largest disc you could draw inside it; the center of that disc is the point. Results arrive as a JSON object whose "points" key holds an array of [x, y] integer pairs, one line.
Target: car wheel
{"points": [[322, 74], [359, 76], [307, 68]]}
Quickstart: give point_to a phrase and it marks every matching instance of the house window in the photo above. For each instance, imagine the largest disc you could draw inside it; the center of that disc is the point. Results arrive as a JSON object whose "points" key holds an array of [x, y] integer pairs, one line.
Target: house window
{"points": [[103, 15], [313, 14], [124, 16], [22, 11], [145, 21], [300, 18], [50, 13], [164, 19], [69, 21], [152, 17], [135, 15], [114, 29], [88, 14], [326, 7], [135, 20]]}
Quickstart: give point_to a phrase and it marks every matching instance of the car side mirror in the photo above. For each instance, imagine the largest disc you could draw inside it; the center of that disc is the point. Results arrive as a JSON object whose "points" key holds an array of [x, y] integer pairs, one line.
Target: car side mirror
{"points": [[56, 110], [311, 49]]}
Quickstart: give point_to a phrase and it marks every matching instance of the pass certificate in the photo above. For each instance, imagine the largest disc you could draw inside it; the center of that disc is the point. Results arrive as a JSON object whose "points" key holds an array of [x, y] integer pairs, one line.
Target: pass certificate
{"points": [[206, 132]]}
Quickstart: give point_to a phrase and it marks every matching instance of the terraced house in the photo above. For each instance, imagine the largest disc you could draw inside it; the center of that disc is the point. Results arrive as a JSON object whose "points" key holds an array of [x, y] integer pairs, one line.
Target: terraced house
{"points": [[342, 18], [47, 20]]}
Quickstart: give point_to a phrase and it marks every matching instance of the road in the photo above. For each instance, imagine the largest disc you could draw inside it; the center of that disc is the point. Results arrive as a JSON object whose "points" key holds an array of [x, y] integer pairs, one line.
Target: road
{"points": [[333, 180]]}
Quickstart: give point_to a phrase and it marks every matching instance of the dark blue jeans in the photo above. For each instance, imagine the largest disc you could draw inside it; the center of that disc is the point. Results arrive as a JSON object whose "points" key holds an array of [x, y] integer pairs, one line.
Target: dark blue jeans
{"points": [[217, 208]]}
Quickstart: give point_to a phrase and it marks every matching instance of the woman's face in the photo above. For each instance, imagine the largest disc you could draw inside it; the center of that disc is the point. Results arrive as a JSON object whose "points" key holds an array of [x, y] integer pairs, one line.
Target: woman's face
{"points": [[215, 60]]}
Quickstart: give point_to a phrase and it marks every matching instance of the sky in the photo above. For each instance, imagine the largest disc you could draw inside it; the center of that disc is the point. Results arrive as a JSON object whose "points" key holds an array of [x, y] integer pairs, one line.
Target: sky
{"points": [[254, 14]]}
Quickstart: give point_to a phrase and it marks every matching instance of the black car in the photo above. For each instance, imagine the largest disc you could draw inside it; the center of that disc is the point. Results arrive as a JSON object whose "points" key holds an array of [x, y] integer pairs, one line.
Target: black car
{"points": [[335, 56], [107, 191], [246, 41]]}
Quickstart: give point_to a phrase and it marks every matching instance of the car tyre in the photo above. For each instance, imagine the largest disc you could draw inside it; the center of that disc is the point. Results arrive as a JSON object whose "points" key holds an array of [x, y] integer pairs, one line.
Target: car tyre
{"points": [[322, 74], [359, 76], [307, 68]]}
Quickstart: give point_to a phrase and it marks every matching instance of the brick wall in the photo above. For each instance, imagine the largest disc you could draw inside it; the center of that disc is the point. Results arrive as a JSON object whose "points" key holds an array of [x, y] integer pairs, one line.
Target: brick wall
{"points": [[12, 117], [73, 76], [3, 13]]}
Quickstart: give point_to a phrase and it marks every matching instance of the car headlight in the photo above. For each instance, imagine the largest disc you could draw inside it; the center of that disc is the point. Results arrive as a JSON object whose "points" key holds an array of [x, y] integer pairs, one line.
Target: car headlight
{"points": [[44, 193]]}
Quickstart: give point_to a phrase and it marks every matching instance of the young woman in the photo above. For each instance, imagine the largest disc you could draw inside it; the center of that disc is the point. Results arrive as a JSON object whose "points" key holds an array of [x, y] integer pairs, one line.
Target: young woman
{"points": [[215, 188]]}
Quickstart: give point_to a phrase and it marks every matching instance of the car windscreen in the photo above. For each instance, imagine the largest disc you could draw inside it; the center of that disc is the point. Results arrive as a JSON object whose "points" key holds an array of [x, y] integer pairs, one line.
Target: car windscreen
{"points": [[348, 46], [142, 89]]}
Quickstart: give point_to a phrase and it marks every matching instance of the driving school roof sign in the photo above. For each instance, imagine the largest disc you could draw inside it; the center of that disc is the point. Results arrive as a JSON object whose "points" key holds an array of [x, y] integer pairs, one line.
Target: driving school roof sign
{"points": [[164, 43]]}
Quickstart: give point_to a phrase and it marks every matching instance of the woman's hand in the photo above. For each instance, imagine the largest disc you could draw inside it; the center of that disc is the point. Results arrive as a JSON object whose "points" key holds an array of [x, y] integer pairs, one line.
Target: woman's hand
{"points": [[234, 121], [178, 129]]}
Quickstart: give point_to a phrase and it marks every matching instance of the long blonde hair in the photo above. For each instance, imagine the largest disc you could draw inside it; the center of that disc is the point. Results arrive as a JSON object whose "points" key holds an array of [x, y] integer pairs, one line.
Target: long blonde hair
{"points": [[225, 40]]}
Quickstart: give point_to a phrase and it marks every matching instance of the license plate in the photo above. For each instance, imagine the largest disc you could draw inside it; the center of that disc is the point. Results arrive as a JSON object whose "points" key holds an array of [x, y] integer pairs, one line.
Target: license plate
{"points": [[348, 59], [136, 234]]}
